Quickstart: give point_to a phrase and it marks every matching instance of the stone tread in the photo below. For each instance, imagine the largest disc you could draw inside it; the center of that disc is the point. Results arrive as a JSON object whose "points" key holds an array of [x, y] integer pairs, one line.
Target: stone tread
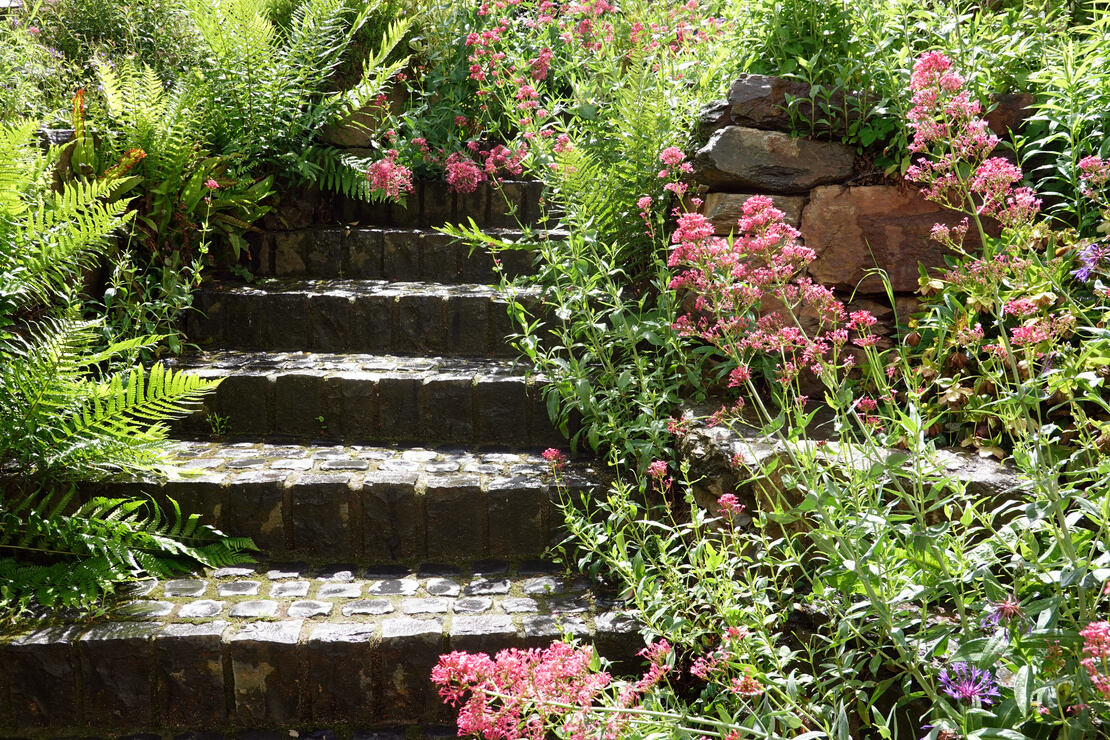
{"points": [[410, 318], [358, 398], [366, 503], [281, 643], [392, 254]]}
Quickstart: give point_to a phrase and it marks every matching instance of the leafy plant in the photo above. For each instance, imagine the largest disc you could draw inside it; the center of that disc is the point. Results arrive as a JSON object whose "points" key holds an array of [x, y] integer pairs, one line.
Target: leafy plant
{"points": [[69, 412]]}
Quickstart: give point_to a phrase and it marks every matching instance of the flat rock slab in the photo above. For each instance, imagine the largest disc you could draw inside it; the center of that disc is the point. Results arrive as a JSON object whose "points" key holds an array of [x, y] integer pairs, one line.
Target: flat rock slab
{"points": [[752, 160]]}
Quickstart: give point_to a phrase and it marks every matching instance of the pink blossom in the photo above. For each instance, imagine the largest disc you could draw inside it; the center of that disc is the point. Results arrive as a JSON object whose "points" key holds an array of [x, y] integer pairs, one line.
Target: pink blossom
{"points": [[211, 184], [460, 121], [555, 458], [671, 156], [657, 469], [563, 144], [746, 686], [463, 173], [729, 505], [389, 177]]}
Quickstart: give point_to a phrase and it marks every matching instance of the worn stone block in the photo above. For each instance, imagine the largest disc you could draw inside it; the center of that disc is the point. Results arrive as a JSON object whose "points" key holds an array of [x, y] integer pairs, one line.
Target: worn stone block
{"points": [[372, 323], [517, 516], [205, 323], [41, 671], [507, 205], [254, 609], [501, 410], [310, 608], [288, 249], [190, 676], [441, 258], [438, 203], [298, 403], [324, 252], [617, 636], [393, 517], [247, 402], [320, 513], [474, 205], [419, 324], [363, 252], [401, 255], [266, 672], [738, 158], [472, 328], [340, 679], [407, 649], [486, 633], [117, 666], [447, 408], [455, 510], [285, 323], [398, 406], [254, 508], [332, 326], [725, 209]]}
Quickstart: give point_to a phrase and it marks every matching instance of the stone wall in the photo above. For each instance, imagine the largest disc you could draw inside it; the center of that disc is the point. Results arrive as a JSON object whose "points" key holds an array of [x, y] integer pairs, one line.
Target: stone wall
{"points": [[825, 189]]}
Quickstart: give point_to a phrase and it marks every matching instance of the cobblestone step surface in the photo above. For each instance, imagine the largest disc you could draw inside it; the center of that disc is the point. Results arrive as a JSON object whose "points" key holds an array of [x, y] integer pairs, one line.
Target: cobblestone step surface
{"points": [[373, 316], [370, 398], [403, 255], [278, 644], [369, 504]]}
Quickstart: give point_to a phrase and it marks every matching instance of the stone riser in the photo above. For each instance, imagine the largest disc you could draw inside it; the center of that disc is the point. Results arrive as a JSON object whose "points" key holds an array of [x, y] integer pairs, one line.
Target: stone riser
{"points": [[370, 517], [431, 205], [380, 254], [464, 405], [353, 316], [215, 675]]}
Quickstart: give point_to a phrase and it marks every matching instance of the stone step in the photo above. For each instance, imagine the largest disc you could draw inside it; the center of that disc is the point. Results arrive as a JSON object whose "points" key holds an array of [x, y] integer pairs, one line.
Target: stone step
{"points": [[368, 504], [432, 204], [359, 398], [282, 644], [387, 254], [352, 316]]}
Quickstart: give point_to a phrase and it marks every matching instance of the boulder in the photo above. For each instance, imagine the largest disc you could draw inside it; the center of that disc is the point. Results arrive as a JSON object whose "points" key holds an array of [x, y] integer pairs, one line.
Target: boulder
{"points": [[724, 209], [1010, 112], [739, 159], [761, 101], [853, 229], [711, 118]]}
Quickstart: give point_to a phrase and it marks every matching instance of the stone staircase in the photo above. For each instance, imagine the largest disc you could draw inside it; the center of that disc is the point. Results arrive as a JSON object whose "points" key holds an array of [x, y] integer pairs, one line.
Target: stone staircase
{"points": [[381, 446]]}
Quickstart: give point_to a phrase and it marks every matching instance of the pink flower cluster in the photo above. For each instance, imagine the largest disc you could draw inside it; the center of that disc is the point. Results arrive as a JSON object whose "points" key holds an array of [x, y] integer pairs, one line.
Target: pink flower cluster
{"points": [[1094, 173], [952, 138], [1096, 644], [389, 177], [514, 695], [730, 282], [523, 693], [464, 175], [556, 459]]}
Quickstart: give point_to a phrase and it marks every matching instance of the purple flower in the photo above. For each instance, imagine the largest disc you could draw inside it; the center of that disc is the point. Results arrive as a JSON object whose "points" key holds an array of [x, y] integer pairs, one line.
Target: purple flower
{"points": [[964, 682], [1091, 256]]}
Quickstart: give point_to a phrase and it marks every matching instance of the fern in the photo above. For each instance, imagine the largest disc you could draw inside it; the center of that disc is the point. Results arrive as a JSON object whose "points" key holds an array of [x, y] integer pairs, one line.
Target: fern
{"points": [[54, 559], [70, 412], [266, 96]]}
